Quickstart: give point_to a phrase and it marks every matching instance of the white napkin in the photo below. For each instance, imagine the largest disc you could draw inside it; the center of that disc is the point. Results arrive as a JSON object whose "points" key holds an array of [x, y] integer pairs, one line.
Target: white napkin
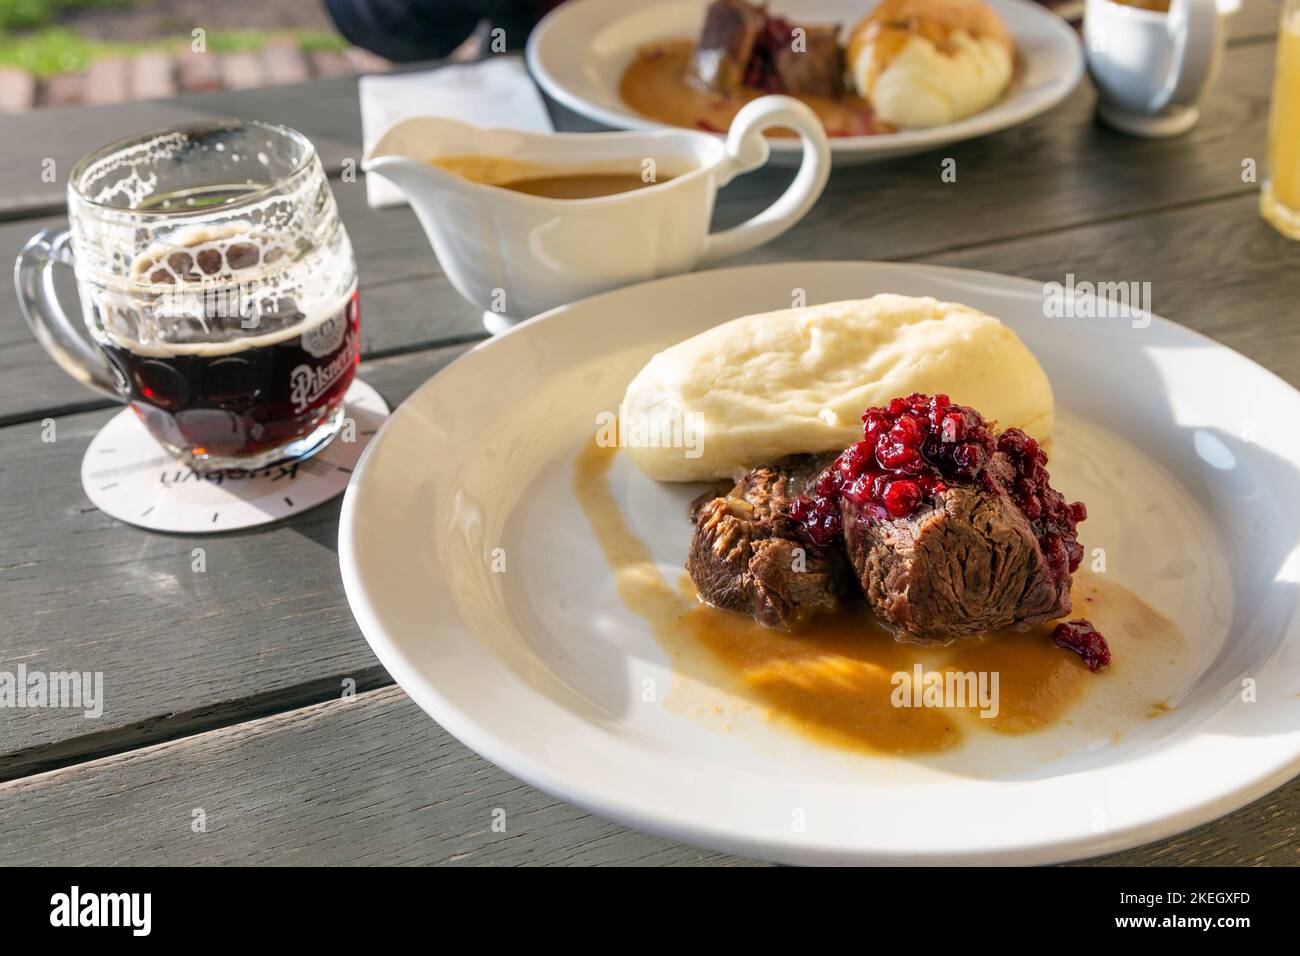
{"points": [[493, 92]]}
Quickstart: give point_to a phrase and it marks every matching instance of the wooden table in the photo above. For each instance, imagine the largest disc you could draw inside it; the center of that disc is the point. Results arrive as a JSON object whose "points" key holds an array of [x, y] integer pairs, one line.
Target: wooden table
{"points": [[224, 688]]}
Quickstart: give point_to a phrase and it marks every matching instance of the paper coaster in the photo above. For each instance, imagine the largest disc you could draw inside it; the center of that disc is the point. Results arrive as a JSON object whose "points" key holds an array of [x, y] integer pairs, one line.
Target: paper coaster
{"points": [[128, 475]]}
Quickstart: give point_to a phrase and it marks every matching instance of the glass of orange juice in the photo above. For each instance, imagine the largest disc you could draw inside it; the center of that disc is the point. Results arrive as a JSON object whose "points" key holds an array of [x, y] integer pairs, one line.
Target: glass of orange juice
{"points": [[1279, 201]]}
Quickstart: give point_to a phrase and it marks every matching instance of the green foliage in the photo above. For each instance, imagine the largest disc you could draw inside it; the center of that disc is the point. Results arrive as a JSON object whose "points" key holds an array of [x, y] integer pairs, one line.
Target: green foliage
{"points": [[55, 49], [27, 14], [313, 41], [48, 51]]}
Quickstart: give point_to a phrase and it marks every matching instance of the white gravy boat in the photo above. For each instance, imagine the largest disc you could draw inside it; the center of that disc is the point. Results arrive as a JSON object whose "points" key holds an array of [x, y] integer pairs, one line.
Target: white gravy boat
{"points": [[514, 254]]}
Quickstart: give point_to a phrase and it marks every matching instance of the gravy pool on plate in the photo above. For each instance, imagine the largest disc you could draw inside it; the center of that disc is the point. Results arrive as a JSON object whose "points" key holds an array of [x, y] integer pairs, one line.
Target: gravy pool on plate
{"points": [[832, 680], [655, 84]]}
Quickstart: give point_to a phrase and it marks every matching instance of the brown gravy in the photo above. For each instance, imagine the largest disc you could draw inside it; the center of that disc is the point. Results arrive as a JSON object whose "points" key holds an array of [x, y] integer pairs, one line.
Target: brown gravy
{"points": [[655, 85], [580, 185], [537, 179], [1155, 6], [833, 680]]}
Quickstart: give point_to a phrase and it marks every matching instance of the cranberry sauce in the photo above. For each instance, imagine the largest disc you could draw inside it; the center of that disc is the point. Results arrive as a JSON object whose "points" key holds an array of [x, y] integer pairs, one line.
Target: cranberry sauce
{"points": [[1081, 637], [915, 448], [760, 71]]}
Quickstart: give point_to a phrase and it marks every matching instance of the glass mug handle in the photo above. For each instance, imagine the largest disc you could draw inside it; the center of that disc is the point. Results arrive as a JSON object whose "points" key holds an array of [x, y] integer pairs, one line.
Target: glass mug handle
{"points": [[64, 338]]}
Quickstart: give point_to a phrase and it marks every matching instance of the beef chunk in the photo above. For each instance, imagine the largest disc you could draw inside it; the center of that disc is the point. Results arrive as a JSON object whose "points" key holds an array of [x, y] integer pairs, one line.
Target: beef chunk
{"points": [[967, 564], [742, 46], [816, 69], [747, 554], [731, 28]]}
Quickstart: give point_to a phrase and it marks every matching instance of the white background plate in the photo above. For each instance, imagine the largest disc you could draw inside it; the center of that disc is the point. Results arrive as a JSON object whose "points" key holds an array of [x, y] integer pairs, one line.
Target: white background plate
{"points": [[579, 51], [1186, 453]]}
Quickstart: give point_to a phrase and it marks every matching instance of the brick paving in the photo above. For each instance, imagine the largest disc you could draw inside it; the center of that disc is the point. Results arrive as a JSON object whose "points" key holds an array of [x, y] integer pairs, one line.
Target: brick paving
{"points": [[157, 75], [107, 81], [242, 71], [329, 63], [17, 90], [62, 90], [153, 76], [198, 72], [284, 62]]}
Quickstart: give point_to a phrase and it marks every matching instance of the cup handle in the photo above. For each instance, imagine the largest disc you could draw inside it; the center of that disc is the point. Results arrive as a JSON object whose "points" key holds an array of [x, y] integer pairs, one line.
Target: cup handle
{"points": [[1194, 28], [64, 339], [747, 150]]}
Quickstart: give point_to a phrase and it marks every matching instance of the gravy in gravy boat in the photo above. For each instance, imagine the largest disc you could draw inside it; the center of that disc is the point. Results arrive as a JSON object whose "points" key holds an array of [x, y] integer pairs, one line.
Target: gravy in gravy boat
{"points": [[549, 181]]}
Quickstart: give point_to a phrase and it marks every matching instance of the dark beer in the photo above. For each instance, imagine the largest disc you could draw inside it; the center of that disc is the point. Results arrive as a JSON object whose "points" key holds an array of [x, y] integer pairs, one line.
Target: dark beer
{"points": [[239, 403]]}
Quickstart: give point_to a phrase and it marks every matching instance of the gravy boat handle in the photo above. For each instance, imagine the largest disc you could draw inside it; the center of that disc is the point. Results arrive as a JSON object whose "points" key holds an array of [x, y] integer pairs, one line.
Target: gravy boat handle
{"points": [[746, 150]]}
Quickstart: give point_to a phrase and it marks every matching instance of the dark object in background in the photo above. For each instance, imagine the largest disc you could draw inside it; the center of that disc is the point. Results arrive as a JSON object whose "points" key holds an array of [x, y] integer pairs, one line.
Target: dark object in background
{"points": [[408, 30]]}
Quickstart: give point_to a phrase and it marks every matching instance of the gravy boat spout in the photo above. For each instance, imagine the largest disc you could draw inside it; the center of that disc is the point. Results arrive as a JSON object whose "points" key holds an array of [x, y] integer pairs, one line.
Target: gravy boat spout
{"points": [[514, 254]]}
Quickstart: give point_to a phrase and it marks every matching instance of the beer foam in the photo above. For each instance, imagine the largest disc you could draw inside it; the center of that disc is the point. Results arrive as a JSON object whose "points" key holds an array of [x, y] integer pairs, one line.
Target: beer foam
{"points": [[221, 288], [308, 323], [131, 188]]}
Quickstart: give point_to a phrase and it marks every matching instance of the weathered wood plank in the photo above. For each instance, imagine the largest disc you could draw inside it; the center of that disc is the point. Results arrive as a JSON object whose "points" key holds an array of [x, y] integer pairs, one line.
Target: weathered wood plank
{"points": [[325, 110], [1265, 833], [1059, 171], [372, 780], [1255, 20], [178, 649]]}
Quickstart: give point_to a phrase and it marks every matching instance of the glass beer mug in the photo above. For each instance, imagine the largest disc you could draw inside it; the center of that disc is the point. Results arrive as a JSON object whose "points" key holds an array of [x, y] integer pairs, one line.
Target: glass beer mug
{"points": [[218, 291]]}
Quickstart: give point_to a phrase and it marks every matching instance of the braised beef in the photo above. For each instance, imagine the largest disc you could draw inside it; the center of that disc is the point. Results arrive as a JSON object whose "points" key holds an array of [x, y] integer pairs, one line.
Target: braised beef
{"points": [[748, 556], [949, 527], [817, 68], [966, 564], [726, 45], [741, 45]]}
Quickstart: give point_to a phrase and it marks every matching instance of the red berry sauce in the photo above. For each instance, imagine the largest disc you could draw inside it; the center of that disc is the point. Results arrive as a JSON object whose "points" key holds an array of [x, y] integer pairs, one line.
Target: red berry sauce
{"points": [[760, 71], [915, 448], [1081, 637]]}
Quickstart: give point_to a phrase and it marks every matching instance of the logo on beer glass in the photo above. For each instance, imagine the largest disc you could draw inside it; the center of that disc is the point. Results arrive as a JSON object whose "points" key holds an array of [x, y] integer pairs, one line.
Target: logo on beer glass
{"points": [[326, 337], [307, 383]]}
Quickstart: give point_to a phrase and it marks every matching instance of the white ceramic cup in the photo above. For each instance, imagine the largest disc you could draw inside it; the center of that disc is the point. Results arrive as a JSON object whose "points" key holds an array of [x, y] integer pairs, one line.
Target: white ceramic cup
{"points": [[1151, 68], [514, 254]]}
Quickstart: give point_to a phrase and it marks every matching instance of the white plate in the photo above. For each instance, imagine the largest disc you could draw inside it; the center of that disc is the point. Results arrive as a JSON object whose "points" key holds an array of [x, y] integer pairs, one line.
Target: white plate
{"points": [[540, 668], [579, 51]]}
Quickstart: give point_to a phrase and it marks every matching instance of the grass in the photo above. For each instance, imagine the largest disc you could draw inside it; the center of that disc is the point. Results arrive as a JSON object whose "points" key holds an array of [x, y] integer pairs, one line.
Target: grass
{"points": [[29, 14], [53, 49]]}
